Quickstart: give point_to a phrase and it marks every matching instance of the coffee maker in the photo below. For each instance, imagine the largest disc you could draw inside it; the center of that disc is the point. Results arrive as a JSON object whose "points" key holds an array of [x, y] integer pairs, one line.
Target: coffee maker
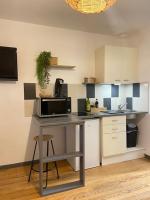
{"points": [[59, 88]]}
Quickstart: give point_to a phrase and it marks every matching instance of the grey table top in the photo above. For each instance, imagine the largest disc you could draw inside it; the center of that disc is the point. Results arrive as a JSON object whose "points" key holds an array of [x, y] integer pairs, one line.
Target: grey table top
{"points": [[55, 121]]}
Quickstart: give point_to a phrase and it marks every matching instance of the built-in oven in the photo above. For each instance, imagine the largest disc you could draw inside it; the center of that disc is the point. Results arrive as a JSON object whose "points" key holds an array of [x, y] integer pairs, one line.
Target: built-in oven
{"points": [[48, 107]]}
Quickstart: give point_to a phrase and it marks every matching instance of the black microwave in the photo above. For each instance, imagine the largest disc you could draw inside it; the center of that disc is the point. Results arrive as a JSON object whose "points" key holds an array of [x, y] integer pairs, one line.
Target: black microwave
{"points": [[49, 107]]}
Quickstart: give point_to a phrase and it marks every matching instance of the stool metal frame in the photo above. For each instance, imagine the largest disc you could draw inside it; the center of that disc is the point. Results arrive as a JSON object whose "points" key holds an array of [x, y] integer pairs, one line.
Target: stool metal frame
{"points": [[32, 163]]}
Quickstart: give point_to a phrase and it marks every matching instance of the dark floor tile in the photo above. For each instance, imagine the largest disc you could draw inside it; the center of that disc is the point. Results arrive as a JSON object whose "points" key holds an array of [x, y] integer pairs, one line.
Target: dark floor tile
{"points": [[136, 89], [107, 103], [81, 105], [29, 91], [129, 101], [114, 90], [90, 90]]}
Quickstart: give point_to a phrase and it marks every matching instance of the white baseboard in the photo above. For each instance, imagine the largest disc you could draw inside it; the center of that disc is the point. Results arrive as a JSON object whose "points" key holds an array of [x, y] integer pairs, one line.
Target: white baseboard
{"points": [[131, 154]]}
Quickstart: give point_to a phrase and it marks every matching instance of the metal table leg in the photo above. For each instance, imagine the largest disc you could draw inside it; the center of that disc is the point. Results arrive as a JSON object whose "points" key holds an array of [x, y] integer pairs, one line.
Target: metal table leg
{"points": [[82, 159], [41, 161]]}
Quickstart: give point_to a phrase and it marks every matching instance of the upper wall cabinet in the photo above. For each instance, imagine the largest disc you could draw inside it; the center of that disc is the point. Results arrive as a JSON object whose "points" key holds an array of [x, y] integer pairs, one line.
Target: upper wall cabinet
{"points": [[116, 64]]}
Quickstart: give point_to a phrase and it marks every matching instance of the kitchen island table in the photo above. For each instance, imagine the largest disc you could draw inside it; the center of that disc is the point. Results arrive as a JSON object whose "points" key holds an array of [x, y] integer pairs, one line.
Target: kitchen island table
{"points": [[61, 122]]}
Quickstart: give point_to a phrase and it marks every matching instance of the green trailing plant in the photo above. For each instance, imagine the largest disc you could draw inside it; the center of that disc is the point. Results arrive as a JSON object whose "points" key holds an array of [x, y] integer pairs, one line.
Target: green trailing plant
{"points": [[42, 64]]}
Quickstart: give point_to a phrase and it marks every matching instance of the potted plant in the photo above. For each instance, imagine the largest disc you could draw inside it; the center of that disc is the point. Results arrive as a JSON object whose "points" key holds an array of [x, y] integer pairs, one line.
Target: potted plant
{"points": [[42, 71]]}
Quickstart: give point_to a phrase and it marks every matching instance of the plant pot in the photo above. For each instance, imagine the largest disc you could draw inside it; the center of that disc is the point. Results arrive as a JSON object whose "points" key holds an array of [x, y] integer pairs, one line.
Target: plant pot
{"points": [[45, 92], [53, 61], [89, 80]]}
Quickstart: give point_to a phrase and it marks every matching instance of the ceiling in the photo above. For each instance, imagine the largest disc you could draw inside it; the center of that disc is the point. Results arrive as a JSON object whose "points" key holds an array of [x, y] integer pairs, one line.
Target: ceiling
{"points": [[125, 17]]}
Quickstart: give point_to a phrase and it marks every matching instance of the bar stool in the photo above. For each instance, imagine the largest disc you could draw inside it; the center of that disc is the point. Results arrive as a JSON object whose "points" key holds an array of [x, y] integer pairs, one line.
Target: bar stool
{"points": [[46, 138]]}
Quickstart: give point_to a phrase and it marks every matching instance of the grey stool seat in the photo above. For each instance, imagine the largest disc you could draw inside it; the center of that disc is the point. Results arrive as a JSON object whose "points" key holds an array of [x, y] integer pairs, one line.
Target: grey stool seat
{"points": [[45, 138]]}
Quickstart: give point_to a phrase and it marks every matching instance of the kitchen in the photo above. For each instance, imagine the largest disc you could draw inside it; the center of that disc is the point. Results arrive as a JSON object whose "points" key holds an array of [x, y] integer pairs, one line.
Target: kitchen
{"points": [[81, 56]]}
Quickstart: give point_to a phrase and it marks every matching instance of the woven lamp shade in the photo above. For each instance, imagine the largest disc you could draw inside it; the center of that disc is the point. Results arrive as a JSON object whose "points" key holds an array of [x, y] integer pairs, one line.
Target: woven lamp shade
{"points": [[90, 6]]}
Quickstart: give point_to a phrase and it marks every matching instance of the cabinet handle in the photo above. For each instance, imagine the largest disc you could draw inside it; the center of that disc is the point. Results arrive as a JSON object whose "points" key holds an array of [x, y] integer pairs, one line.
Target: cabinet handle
{"points": [[117, 82], [114, 120], [114, 129], [114, 138], [126, 80]]}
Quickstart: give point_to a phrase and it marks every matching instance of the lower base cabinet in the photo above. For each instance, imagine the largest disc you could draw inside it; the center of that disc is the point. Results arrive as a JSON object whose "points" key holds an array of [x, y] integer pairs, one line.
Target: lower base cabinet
{"points": [[113, 133], [114, 144], [92, 144]]}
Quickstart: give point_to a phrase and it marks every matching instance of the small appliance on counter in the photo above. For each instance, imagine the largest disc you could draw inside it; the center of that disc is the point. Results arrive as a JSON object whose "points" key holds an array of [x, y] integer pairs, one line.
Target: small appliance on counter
{"points": [[51, 107], [60, 88], [96, 103]]}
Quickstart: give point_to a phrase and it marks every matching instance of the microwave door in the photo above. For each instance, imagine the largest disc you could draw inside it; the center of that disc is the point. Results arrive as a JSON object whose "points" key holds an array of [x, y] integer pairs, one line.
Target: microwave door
{"points": [[53, 106]]}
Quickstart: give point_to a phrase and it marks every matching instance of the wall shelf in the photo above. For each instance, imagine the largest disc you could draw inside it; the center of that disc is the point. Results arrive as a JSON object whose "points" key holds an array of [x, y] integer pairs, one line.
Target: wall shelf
{"points": [[65, 67]]}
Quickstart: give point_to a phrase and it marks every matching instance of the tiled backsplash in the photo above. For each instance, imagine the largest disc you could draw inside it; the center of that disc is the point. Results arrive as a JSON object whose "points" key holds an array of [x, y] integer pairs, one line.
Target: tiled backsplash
{"points": [[136, 96]]}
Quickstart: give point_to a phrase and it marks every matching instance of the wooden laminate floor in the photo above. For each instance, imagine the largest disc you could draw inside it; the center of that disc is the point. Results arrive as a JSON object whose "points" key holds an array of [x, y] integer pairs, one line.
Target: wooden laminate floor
{"points": [[125, 181]]}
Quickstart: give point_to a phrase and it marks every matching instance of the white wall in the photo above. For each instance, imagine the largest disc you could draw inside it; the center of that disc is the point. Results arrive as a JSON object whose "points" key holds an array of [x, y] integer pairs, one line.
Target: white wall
{"points": [[71, 47], [142, 41]]}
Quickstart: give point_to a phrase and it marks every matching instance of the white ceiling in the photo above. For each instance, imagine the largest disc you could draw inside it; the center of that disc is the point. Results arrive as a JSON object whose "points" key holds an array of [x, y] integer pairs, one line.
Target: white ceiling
{"points": [[124, 17]]}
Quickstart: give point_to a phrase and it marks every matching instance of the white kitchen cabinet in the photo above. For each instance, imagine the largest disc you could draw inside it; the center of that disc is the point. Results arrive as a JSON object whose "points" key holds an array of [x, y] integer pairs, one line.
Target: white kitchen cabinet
{"points": [[92, 141], [113, 135], [114, 144], [116, 64]]}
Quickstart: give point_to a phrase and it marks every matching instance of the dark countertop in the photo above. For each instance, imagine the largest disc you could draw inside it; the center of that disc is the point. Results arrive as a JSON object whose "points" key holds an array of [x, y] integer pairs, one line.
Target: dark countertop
{"points": [[103, 114], [73, 118]]}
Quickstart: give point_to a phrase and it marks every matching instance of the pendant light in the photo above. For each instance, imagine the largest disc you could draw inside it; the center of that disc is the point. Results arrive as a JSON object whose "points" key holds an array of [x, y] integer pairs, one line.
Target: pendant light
{"points": [[90, 6]]}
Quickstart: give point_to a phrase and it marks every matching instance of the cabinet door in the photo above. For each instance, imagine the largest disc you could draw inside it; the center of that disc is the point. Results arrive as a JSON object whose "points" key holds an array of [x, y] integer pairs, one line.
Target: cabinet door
{"points": [[116, 64], [92, 141], [113, 64], [114, 144], [129, 71], [114, 128]]}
